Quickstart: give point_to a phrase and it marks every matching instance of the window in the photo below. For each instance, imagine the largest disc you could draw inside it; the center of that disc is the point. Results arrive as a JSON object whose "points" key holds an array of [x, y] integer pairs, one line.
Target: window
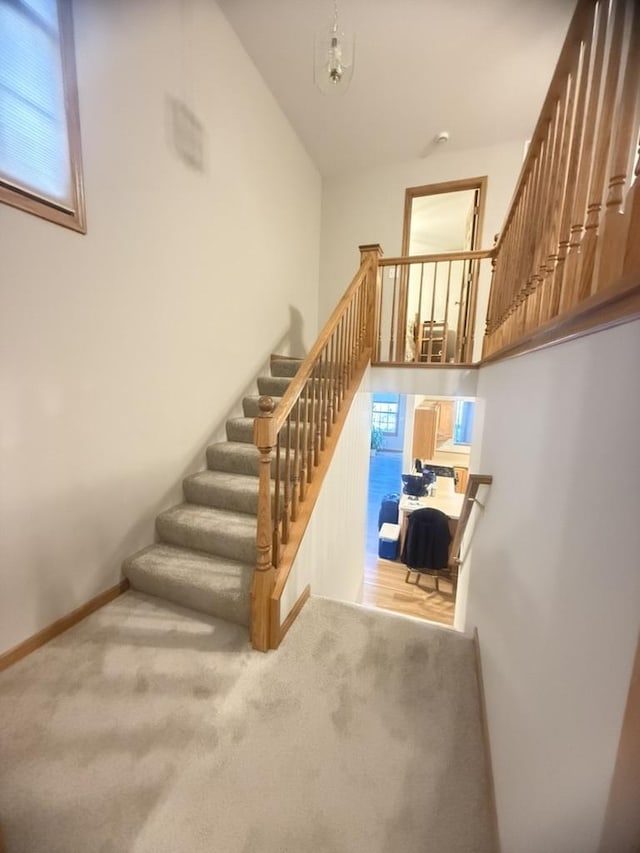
{"points": [[40, 164], [385, 416], [463, 426]]}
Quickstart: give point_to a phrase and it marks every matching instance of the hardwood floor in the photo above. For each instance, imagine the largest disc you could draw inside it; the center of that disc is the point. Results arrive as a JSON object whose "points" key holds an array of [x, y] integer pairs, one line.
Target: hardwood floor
{"points": [[384, 584], [385, 587]]}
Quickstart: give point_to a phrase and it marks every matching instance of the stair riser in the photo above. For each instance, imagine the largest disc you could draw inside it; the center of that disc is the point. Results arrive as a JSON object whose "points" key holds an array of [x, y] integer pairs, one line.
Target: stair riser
{"points": [[238, 464], [244, 433], [218, 542], [221, 498], [194, 598], [276, 386], [290, 368], [285, 367]]}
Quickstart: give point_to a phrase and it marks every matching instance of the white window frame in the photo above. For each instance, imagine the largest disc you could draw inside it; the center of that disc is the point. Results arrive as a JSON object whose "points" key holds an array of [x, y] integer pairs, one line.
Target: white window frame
{"points": [[71, 216]]}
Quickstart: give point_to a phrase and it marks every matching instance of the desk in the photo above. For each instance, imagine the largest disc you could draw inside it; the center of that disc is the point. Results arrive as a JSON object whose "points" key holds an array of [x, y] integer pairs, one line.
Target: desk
{"points": [[449, 502]]}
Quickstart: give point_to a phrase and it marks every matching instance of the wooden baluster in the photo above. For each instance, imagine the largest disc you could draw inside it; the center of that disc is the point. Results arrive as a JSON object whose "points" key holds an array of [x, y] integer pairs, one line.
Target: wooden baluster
{"points": [[487, 344], [338, 392], [470, 325], [512, 269], [275, 548], [558, 186], [418, 334], [361, 320], [610, 257], [432, 315], [394, 297], [344, 384], [317, 411], [569, 295], [304, 396], [332, 381], [288, 473], [295, 497], [528, 282], [446, 298], [538, 224], [597, 184], [264, 575], [349, 345], [338, 367], [572, 172], [632, 207], [371, 253], [311, 385], [538, 269], [377, 323], [324, 394]]}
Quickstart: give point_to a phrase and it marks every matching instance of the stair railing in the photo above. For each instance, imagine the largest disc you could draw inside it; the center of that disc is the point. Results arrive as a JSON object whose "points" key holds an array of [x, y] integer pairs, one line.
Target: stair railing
{"points": [[570, 246], [470, 499], [296, 440], [426, 308]]}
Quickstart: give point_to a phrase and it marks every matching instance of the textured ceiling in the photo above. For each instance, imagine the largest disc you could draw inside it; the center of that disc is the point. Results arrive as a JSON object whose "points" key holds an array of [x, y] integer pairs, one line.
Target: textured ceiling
{"points": [[477, 68]]}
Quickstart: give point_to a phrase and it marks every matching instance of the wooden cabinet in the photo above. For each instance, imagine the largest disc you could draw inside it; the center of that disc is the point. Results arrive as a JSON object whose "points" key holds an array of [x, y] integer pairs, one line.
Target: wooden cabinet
{"points": [[462, 475], [446, 420], [425, 431]]}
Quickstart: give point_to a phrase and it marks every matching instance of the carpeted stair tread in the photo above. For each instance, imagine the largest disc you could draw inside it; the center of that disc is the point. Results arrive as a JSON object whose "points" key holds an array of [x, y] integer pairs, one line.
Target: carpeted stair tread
{"points": [[215, 531], [213, 585], [221, 489]]}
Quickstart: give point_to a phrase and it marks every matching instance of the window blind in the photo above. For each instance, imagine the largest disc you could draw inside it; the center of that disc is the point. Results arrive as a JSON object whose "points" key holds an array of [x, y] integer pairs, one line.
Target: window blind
{"points": [[34, 145]]}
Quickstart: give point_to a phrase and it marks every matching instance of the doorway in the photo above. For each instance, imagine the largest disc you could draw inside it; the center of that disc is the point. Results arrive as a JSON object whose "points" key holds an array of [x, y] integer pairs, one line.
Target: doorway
{"points": [[440, 219], [405, 427]]}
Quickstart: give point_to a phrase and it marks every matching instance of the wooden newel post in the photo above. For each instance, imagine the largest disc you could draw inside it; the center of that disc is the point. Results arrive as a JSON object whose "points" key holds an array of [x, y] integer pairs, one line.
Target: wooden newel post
{"points": [[264, 436], [373, 252]]}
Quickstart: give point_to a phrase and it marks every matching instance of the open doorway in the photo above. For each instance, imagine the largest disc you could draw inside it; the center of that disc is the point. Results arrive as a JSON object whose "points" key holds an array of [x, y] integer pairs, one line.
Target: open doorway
{"points": [[437, 431], [436, 309]]}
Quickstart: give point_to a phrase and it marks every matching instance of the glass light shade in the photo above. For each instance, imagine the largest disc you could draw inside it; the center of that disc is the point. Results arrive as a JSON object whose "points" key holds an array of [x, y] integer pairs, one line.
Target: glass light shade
{"points": [[333, 60]]}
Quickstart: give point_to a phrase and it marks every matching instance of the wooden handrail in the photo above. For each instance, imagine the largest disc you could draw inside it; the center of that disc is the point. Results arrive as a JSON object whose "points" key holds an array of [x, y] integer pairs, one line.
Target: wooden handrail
{"points": [[305, 370], [479, 254], [572, 231], [296, 440], [474, 482]]}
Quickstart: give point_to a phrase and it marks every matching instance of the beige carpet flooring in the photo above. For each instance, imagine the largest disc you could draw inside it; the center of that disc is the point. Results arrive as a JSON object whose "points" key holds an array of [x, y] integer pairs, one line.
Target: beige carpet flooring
{"points": [[153, 729]]}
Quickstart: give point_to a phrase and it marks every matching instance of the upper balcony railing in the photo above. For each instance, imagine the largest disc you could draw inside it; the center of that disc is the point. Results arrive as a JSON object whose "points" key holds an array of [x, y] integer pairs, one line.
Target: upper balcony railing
{"points": [[426, 308], [571, 241]]}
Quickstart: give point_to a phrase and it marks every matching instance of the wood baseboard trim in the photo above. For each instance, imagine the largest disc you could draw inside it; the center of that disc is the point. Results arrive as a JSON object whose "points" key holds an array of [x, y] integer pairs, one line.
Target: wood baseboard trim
{"points": [[487, 742], [295, 612], [61, 625]]}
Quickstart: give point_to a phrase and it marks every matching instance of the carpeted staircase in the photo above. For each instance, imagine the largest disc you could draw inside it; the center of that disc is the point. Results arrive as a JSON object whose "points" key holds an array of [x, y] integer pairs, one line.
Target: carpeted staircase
{"points": [[206, 550]]}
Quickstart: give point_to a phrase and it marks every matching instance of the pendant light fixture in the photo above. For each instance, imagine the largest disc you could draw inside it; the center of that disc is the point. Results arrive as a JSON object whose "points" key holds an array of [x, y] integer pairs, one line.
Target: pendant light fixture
{"points": [[333, 59]]}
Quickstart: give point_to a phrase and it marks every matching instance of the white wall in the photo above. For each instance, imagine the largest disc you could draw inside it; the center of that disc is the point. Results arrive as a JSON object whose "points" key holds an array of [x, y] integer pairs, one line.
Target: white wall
{"points": [[123, 351], [554, 586], [332, 554], [368, 207]]}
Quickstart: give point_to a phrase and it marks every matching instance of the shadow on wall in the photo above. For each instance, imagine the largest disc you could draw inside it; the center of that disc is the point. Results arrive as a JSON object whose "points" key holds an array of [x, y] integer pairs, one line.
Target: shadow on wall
{"points": [[293, 336]]}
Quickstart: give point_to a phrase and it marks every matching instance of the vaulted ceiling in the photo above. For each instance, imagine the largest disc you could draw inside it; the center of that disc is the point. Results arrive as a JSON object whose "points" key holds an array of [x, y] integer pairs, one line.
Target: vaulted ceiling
{"points": [[478, 69]]}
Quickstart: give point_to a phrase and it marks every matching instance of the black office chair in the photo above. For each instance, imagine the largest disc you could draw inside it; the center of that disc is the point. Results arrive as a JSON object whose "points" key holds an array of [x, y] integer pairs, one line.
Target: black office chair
{"points": [[426, 545]]}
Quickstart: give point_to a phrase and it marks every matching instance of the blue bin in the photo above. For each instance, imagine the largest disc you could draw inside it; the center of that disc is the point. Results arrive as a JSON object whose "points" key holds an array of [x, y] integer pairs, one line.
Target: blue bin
{"points": [[388, 541]]}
